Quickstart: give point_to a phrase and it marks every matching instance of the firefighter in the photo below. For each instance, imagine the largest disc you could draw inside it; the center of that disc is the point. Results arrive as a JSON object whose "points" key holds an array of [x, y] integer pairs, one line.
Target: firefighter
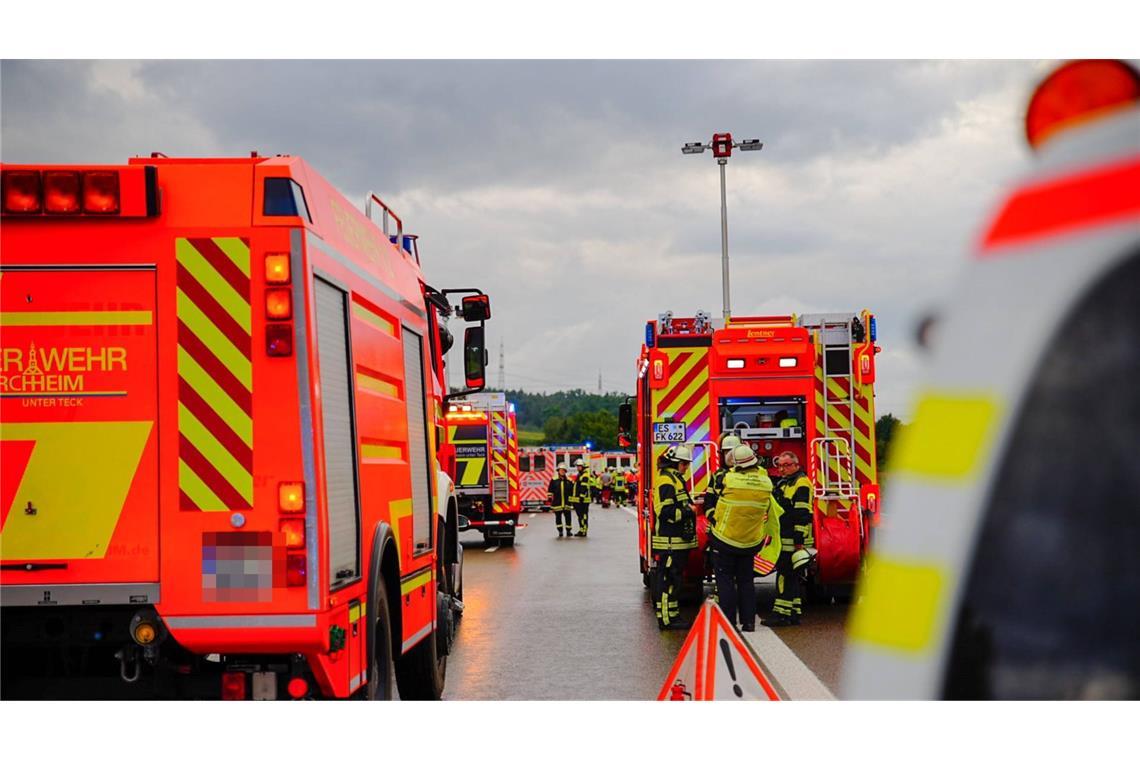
{"points": [[580, 498], [560, 490], [728, 442], [748, 522], [621, 487], [674, 533], [793, 494]]}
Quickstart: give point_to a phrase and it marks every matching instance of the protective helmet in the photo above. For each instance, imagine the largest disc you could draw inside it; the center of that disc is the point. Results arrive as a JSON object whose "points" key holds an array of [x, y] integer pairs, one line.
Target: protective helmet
{"points": [[727, 444], [579, 463], [743, 456], [804, 562], [561, 466], [679, 454]]}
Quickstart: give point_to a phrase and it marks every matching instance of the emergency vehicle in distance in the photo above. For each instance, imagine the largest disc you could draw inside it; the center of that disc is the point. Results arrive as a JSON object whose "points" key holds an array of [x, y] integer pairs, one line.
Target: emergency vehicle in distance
{"points": [[482, 431], [221, 394], [802, 384], [536, 469], [1007, 567]]}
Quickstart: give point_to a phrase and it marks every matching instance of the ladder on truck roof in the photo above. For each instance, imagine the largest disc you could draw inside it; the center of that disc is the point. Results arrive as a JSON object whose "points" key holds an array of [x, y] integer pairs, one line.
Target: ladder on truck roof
{"points": [[832, 452]]}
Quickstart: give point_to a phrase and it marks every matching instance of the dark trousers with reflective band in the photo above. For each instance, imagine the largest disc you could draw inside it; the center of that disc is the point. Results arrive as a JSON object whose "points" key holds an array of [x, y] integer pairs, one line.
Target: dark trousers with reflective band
{"points": [[583, 512], [559, 515], [665, 584], [734, 589], [789, 588]]}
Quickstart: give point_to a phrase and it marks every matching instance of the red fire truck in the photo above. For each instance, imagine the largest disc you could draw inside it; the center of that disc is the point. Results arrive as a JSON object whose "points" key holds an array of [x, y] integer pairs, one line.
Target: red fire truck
{"points": [[802, 384], [483, 434], [221, 396]]}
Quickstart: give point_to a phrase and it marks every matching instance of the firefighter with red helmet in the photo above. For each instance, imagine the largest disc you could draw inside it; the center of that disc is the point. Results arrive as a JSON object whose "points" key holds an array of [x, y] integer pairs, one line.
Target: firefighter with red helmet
{"points": [[559, 492], [674, 533], [581, 497]]}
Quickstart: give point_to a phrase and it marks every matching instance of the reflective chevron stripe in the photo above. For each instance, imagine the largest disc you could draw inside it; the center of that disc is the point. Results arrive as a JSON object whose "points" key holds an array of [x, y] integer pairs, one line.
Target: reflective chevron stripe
{"points": [[215, 374]]}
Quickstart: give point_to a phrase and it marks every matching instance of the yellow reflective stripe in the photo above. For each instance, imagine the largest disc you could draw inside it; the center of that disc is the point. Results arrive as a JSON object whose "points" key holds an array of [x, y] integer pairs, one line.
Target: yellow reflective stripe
{"points": [[398, 509], [216, 341], [190, 371], [74, 318], [199, 493], [217, 454], [407, 587], [370, 317], [901, 605], [236, 250], [374, 451], [355, 612], [949, 437], [376, 385], [216, 285]]}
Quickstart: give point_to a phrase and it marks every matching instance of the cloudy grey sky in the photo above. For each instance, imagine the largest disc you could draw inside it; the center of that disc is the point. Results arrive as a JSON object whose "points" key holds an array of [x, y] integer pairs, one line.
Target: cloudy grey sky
{"points": [[559, 186]]}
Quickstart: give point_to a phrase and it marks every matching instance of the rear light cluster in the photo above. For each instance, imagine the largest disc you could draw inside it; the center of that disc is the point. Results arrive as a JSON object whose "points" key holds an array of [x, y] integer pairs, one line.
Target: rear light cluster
{"points": [[278, 305], [291, 504], [61, 192]]}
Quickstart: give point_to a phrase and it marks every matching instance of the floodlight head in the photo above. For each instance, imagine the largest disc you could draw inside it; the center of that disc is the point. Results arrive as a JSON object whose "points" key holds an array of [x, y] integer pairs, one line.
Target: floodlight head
{"points": [[693, 147], [750, 145]]}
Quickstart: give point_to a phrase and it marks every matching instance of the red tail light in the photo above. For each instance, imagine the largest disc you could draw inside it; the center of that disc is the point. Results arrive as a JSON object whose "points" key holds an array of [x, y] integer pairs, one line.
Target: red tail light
{"points": [[101, 192], [279, 339], [21, 192], [61, 192], [1076, 92], [233, 686], [296, 570]]}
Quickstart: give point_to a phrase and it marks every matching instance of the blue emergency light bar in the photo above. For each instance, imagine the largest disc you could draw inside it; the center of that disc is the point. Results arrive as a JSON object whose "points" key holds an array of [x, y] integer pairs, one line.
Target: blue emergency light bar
{"points": [[874, 330], [649, 334]]}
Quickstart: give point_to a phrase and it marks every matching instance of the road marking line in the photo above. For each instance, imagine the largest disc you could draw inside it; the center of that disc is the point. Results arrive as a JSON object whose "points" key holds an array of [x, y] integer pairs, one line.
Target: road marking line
{"points": [[492, 549], [792, 676]]}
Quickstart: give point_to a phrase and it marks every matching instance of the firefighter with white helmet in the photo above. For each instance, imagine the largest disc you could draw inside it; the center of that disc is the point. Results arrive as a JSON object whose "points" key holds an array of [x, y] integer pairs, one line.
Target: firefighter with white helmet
{"points": [[728, 442], [560, 490], [748, 523], [793, 494], [674, 533], [580, 498]]}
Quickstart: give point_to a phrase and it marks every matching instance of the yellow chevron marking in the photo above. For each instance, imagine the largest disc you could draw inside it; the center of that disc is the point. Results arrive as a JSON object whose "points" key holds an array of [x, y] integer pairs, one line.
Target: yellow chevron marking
{"points": [[201, 494], [686, 365], [216, 285], [950, 436], [376, 385], [902, 604], [215, 340], [190, 371], [371, 318], [78, 476], [236, 250], [836, 390], [73, 318], [217, 454]]}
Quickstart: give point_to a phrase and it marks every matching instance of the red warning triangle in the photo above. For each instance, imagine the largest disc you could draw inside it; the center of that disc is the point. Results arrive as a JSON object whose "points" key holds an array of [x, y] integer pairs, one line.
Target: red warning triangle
{"points": [[716, 663]]}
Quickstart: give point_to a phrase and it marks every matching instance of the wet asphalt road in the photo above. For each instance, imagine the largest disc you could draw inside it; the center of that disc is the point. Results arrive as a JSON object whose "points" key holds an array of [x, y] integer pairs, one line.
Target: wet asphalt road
{"points": [[569, 619]]}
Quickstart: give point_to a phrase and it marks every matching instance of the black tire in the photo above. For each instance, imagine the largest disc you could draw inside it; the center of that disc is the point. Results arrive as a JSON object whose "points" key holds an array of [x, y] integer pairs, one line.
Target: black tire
{"points": [[507, 542], [380, 667], [421, 672], [646, 578]]}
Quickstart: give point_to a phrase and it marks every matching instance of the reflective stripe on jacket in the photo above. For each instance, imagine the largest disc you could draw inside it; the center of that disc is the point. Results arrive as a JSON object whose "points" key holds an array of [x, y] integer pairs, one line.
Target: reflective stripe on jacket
{"points": [[581, 493], [560, 490], [744, 514], [675, 523], [794, 494]]}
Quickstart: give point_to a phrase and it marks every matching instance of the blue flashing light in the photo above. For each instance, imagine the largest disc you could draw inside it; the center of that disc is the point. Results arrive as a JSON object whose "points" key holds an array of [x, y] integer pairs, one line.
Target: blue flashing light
{"points": [[649, 336], [874, 330], [589, 444]]}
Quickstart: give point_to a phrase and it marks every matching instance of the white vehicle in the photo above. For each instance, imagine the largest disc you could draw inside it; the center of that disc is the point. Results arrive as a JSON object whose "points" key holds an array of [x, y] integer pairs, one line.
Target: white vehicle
{"points": [[1007, 564]]}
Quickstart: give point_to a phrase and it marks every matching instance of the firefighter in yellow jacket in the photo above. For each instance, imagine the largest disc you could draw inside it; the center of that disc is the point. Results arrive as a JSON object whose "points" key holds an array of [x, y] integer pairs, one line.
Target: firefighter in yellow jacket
{"points": [[581, 497], [560, 490], [674, 533], [793, 492], [746, 522]]}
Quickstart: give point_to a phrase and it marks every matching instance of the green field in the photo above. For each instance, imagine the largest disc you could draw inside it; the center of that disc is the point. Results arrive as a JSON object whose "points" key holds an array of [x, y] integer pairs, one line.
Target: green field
{"points": [[531, 437]]}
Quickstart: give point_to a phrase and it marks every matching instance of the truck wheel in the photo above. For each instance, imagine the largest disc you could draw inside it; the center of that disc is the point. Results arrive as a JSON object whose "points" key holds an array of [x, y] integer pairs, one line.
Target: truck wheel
{"points": [[508, 541], [645, 579], [380, 670]]}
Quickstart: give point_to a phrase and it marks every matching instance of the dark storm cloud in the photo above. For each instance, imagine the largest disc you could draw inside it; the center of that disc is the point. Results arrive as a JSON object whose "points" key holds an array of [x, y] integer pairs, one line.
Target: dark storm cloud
{"points": [[559, 185]]}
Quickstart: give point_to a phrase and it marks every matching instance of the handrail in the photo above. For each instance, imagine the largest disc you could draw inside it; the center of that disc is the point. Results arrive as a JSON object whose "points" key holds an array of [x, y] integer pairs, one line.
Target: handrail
{"points": [[384, 219]]}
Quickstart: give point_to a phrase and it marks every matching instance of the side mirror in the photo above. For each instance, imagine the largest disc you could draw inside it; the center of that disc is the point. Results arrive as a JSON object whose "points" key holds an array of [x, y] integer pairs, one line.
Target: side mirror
{"points": [[462, 524], [474, 357], [476, 308], [625, 419]]}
